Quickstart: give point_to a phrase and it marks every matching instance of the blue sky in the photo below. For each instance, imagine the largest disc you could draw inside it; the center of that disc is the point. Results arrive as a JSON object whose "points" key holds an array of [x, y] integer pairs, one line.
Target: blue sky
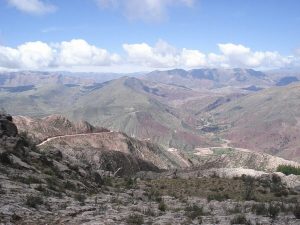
{"points": [[137, 35]]}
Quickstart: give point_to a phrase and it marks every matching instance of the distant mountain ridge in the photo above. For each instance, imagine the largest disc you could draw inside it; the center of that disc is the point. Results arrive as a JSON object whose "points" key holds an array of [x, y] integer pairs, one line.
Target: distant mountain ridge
{"points": [[211, 78]]}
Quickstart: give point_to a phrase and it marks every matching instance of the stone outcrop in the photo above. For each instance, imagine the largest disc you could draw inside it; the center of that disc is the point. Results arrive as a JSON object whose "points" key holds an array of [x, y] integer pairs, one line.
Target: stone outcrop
{"points": [[7, 127]]}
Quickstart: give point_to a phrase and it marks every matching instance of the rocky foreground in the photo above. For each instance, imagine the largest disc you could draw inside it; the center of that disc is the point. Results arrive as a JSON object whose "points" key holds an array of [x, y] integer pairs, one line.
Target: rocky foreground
{"points": [[44, 187]]}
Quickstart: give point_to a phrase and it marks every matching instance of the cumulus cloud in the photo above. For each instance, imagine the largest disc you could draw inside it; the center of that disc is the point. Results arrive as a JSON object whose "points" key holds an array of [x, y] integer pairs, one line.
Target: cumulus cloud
{"points": [[241, 56], [162, 55], [40, 55], [32, 55], [149, 10], [78, 54], [32, 6]]}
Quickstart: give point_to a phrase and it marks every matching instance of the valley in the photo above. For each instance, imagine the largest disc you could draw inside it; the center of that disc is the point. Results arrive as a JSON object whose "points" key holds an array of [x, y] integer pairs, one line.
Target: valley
{"points": [[141, 150]]}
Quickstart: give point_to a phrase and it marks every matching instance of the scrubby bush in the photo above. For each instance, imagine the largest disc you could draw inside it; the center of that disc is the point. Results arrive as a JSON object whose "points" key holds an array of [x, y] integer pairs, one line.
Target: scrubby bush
{"points": [[287, 169], [240, 219], [162, 206], [249, 187], [193, 211], [217, 197], [130, 182], [80, 197], [34, 201], [260, 209], [5, 158], [135, 219], [274, 210], [296, 211], [154, 195], [27, 141], [70, 186]]}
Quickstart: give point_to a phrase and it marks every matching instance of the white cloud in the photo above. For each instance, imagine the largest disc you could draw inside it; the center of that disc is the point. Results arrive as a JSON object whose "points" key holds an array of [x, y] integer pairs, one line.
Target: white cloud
{"points": [[77, 54], [149, 10], [241, 56], [35, 55], [163, 55], [39, 55], [31, 55], [32, 6]]}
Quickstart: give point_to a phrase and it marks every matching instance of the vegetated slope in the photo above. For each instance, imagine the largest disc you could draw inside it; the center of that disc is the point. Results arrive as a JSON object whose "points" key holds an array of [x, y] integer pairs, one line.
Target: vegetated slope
{"points": [[130, 106], [230, 157], [266, 121], [211, 78]]}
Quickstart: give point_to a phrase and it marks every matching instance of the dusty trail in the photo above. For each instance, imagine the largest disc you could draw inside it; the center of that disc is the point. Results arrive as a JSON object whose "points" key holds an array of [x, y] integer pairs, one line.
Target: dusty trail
{"points": [[69, 135]]}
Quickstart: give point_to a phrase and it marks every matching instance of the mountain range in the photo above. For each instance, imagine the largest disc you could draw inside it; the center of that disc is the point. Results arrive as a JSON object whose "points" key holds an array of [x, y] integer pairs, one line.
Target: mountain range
{"points": [[177, 109]]}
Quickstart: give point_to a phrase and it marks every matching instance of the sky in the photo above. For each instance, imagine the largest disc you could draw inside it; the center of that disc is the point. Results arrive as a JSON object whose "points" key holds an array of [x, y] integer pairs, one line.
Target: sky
{"points": [[145, 35]]}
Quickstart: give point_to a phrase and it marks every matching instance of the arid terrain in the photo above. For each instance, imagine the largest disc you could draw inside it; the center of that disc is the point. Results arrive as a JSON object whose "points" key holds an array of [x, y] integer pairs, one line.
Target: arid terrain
{"points": [[95, 176]]}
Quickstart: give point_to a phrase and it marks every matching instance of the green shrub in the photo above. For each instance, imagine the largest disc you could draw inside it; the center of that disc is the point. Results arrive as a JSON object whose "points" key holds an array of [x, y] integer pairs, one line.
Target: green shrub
{"points": [[53, 183], [28, 141], [249, 187], [239, 219], [287, 169], [296, 211], [217, 197], [154, 195], [34, 201], [80, 197], [260, 209], [5, 158], [162, 206], [130, 182], [194, 212], [135, 219], [274, 210], [34, 180], [70, 186], [27, 180]]}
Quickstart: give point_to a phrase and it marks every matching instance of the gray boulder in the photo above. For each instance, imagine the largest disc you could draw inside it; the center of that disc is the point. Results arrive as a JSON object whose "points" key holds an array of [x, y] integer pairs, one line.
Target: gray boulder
{"points": [[7, 127]]}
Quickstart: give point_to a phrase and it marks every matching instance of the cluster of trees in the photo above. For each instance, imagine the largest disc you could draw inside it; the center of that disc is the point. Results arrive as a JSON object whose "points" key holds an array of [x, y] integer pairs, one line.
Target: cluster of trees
{"points": [[287, 169]]}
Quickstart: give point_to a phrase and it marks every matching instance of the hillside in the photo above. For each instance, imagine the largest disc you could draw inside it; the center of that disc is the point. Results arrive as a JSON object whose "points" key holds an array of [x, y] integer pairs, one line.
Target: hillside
{"points": [[267, 121], [126, 105], [52, 126], [51, 188], [139, 108], [80, 141]]}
